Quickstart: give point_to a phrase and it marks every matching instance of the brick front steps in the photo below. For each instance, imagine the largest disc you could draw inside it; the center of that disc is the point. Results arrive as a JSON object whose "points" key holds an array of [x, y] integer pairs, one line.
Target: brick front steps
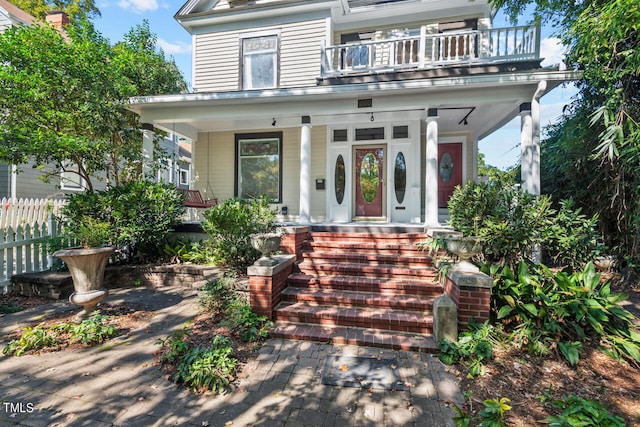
{"points": [[366, 288]]}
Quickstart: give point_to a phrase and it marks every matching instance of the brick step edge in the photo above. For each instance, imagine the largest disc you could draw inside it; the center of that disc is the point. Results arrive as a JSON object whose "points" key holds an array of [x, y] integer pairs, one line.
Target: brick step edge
{"points": [[367, 258], [367, 284], [355, 336], [344, 298], [379, 319], [366, 270]]}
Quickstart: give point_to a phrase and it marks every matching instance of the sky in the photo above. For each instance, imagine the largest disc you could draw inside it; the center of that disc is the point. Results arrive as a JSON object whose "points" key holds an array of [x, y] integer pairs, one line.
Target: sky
{"points": [[501, 149]]}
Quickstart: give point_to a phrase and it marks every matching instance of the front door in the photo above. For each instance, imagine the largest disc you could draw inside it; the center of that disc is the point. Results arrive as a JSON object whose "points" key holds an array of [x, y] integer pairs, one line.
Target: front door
{"points": [[449, 171], [369, 182]]}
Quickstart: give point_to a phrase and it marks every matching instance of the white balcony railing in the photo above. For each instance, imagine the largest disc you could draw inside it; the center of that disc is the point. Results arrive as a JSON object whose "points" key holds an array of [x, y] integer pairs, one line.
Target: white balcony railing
{"points": [[432, 50]]}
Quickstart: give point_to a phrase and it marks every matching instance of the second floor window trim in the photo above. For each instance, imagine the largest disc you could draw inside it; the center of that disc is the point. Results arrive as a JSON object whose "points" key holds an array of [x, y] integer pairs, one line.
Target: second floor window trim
{"points": [[260, 60]]}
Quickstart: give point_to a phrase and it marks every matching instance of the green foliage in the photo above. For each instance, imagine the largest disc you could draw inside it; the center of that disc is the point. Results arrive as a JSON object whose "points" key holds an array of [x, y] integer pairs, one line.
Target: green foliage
{"points": [[64, 99], [141, 215], [249, 326], [593, 154], [491, 416], [546, 309], [473, 347], [231, 223], [175, 345], [581, 412], [91, 331], [195, 252], [512, 222], [217, 294], [31, 339], [9, 308], [89, 232], [572, 239], [75, 9], [210, 368]]}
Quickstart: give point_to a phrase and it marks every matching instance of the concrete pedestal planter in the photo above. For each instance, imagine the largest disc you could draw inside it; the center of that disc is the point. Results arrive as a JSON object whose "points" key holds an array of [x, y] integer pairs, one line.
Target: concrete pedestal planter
{"points": [[465, 248], [266, 244], [86, 266]]}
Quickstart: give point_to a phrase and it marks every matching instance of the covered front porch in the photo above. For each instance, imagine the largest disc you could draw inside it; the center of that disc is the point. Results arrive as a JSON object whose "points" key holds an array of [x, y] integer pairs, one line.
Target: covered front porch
{"points": [[315, 135]]}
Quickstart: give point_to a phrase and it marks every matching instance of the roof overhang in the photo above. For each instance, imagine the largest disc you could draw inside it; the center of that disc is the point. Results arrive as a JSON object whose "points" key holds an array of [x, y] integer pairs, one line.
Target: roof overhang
{"points": [[494, 97]]}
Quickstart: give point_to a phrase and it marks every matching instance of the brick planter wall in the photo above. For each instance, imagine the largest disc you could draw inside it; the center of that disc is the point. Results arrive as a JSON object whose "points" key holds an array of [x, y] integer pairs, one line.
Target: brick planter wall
{"points": [[472, 294], [267, 283]]}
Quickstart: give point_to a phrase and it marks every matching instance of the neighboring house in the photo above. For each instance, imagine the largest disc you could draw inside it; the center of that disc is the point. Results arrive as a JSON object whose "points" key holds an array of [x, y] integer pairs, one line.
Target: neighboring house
{"points": [[176, 167], [348, 110]]}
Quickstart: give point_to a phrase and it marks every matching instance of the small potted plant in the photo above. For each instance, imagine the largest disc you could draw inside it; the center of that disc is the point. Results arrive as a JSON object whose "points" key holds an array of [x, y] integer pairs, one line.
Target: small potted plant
{"points": [[87, 261]]}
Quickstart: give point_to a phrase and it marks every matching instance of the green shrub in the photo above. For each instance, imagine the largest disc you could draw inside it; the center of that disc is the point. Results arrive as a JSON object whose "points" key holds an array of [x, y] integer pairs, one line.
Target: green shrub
{"points": [[231, 223], [545, 309], [512, 222], [141, 215], [581, 412], [93, 330]]}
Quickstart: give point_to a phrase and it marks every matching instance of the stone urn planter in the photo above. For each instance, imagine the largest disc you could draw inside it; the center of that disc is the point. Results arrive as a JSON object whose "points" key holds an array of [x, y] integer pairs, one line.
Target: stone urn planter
{"points": [[464, 248], [86, 266], [605, 263], [266, 244]]}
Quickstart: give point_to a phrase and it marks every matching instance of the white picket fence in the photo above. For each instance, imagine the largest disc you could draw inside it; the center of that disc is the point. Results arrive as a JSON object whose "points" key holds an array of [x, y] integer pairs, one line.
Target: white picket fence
{"points": [[25, 226], [15, 212]]}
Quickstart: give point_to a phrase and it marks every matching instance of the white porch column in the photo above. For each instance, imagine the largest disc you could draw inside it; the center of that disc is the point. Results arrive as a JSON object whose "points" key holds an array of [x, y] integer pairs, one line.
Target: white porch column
{"points": [[148, 135], [531, 152], [526, 146], [305, 170], [431, 175], [13, 179]]}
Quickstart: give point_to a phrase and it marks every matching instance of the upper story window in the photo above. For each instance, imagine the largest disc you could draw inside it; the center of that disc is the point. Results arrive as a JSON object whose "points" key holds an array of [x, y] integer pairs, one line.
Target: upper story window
{"points": [[260, 62]]}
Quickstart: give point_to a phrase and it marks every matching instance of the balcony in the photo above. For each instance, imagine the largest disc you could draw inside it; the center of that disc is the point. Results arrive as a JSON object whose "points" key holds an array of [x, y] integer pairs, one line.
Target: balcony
{"points": [[430, 51]]}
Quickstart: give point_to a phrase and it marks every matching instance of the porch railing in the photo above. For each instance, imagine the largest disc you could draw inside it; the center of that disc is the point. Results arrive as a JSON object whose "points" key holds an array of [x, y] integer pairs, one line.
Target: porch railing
{"points": [[432, 50]]}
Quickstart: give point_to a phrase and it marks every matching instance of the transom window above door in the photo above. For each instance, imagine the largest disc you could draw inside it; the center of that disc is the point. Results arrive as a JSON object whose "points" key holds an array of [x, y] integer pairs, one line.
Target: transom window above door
{"points": [[260, 62]]}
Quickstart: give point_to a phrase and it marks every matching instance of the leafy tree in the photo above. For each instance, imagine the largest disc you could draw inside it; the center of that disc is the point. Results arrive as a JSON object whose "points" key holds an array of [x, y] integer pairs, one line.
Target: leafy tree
{"points": [[75, 9], [63, 99], [593, 154]]}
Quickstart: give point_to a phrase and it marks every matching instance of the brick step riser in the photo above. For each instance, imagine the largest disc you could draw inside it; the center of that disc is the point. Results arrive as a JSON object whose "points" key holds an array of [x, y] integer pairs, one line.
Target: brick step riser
{"points": [[363, 237], [389, 248], [425, 328], [348, 302], [367, 260], [372, 272], [424, 290], [353, 336]]}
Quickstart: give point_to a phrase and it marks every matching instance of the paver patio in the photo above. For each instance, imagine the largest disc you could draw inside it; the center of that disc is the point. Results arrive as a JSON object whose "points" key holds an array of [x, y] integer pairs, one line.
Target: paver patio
{"points": [[119, 385]]}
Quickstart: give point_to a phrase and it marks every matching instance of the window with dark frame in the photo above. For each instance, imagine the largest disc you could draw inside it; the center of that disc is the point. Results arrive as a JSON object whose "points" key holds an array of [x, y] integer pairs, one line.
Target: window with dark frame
{"points": [[259, 166], [260, 62]]}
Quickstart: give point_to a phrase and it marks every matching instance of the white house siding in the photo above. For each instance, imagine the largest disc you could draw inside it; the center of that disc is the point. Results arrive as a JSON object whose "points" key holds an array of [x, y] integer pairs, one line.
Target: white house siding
{"points": [[217, 56], [214, 161]]}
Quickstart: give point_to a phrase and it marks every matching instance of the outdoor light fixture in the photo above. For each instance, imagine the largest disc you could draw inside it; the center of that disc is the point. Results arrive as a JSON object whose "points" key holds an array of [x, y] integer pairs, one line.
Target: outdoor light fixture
{"points": [[273, 123], [372, 118]]}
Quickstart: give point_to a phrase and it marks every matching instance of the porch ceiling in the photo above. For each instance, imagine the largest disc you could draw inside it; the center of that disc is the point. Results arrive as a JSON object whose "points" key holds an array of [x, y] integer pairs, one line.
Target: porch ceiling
{"points": [[487, 103]]}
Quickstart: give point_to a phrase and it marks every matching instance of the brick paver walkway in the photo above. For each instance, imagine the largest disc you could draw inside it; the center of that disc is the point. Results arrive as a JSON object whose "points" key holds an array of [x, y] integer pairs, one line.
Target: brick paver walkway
{"points": [[117, 384]]}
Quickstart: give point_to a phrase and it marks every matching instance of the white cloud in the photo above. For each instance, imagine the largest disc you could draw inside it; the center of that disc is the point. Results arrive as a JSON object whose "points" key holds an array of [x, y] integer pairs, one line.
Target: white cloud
{"points": [[174, 48], [552, 50], [139, 6]]}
